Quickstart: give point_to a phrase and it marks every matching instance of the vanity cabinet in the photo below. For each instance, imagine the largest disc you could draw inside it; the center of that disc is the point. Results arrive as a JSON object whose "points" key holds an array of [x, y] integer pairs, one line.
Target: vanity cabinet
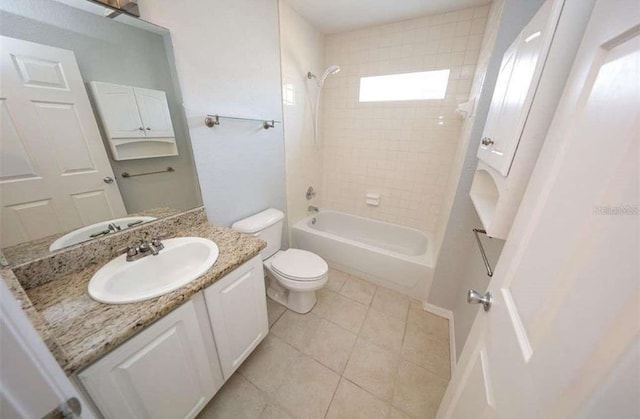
{"points": [[237, 308], [136, 121], [175, 366], [169, 370]]}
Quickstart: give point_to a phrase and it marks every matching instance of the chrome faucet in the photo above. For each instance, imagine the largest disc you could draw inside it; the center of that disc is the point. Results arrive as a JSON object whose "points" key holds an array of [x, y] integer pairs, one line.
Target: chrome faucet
{"points": [[143, 249], [111, 228], [313, 208]]}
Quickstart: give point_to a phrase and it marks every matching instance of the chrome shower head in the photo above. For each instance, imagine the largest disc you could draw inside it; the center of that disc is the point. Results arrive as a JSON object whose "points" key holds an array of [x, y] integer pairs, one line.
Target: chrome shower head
{"points": [[332, 69]]}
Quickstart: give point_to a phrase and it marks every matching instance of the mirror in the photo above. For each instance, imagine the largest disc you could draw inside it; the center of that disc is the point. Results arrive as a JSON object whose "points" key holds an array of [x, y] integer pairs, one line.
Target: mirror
{"points": [[93, 138]]}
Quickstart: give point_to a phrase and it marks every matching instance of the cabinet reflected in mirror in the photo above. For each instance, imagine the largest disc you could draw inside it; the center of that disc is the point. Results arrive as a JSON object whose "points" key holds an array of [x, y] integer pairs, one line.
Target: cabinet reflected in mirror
{"points": [[93, 138]]}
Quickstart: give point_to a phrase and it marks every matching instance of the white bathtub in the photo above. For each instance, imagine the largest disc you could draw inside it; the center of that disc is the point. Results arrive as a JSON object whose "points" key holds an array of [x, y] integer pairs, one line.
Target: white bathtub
{"points": [[396, 257]]}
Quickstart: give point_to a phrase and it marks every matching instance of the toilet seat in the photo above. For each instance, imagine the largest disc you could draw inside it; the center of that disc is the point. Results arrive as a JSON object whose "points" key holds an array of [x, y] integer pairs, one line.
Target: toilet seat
{"points": [[299, 265]]}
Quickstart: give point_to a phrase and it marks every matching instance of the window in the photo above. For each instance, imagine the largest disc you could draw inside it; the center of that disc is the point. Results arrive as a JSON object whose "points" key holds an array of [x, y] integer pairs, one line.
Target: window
{"points": [[407, 86]]}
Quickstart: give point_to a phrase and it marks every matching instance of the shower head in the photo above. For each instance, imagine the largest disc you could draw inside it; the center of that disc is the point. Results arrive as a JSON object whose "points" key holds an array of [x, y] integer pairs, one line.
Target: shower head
{"points": [[332, 69]]}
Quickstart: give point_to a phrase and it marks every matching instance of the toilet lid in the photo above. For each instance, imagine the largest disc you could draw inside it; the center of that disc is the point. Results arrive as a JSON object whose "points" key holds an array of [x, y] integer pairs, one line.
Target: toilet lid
{"points": [[299, 265]]}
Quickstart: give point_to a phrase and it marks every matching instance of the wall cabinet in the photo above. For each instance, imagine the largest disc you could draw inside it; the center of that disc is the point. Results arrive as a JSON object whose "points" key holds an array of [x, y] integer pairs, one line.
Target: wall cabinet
{"points": [[135, 120], [530, 83], [175, 366], [237, 308]]}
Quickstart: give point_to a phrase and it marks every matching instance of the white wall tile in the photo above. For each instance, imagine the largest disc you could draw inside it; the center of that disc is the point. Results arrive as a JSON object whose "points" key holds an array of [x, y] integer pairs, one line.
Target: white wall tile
{"points": [[402, 150]]}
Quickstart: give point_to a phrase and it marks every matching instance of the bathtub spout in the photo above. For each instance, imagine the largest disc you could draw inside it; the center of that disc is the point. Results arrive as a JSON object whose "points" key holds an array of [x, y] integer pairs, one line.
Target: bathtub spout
{"points": [[313, 208]]}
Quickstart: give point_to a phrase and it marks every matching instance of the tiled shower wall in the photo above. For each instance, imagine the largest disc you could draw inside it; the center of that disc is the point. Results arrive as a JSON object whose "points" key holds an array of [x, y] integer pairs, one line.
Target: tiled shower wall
{"points": [[401, 150]]}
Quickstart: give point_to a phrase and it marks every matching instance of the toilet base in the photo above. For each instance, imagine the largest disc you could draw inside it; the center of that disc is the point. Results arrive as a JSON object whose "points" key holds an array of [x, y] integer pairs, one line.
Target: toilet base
{"points": [[299, 301]]}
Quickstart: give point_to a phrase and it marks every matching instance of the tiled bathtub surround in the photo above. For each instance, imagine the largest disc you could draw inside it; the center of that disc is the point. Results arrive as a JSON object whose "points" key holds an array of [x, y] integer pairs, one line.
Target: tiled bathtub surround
{"points": [[401, 150]]}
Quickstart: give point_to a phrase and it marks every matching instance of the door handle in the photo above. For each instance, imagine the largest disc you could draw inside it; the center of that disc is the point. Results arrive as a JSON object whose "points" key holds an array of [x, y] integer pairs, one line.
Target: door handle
{"points": [[108, 179], [474, 297], [487, 141]]}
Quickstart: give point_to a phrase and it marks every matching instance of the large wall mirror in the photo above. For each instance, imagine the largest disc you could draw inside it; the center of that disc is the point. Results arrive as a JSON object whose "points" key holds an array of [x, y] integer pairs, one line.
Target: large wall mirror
{"points": [[93, 135]]}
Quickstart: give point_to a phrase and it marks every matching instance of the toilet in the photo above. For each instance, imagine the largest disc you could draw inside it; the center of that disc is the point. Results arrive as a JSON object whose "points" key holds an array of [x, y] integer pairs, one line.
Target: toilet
{"points": [[294, 275]]}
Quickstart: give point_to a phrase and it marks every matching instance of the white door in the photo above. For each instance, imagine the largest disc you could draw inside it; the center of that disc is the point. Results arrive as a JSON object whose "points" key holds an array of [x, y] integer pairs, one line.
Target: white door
{"points": [[118, 109], [32, 383], [163, 372], [154, 111], [516, 85], [52, 159], [562, 337], [237, 308]]}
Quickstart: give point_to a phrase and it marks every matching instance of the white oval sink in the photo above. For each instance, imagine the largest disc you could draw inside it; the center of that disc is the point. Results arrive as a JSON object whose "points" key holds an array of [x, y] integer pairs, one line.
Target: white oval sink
{"points": [[83, 234], [181, 261]]}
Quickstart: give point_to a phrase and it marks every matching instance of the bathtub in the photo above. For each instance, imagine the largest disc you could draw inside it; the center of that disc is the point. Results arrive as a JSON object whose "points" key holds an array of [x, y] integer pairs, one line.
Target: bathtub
{"points": [[393, 256]]}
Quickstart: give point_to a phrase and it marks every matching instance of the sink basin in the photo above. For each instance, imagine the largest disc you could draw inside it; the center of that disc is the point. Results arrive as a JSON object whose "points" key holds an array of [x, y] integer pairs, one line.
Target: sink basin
{"points": [[181, 261], [83, 234]]}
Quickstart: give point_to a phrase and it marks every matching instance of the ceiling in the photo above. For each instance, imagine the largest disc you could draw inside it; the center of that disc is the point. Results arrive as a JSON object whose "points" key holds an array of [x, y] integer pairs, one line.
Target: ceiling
{"points": [[333, 16]]}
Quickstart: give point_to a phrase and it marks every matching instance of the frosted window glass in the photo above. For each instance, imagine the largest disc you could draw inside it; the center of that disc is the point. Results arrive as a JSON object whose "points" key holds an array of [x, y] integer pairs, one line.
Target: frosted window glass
{"points": [[407, 86]]}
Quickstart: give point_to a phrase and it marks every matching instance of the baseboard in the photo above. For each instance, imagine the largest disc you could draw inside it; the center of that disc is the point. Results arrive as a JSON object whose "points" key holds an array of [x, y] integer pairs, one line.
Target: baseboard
{"points": [[447, 314]]}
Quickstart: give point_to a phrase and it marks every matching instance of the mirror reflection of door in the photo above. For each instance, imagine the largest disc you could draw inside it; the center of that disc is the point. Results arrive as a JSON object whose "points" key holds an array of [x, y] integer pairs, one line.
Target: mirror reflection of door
{"points": [[55, 175]]}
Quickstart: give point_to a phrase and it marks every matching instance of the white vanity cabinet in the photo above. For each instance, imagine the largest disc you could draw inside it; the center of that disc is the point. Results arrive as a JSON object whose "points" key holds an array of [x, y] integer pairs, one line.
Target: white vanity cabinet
{"points": [[136, 121], [166, 371], [237, 308], [175, 366]]}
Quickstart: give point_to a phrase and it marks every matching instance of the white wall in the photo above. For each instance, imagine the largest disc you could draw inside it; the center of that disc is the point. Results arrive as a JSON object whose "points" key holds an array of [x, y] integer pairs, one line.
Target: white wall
{"points": [[459, 266], [228, 61], [402, 150], [302, 51]]}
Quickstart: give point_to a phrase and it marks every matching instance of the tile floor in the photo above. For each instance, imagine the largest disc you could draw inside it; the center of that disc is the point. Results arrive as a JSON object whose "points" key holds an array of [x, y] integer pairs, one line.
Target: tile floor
{"points": [[362, 352]]}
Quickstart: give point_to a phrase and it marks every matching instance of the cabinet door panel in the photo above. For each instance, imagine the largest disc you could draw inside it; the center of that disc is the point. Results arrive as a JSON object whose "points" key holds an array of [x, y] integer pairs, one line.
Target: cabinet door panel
{"points": [[238, 311], [154, 111], [516, 85], [163, 372], [118, 110]]}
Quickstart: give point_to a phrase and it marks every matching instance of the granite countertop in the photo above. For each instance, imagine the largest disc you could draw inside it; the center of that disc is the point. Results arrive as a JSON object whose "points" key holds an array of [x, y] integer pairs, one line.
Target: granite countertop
{"points": [[84, 329]]}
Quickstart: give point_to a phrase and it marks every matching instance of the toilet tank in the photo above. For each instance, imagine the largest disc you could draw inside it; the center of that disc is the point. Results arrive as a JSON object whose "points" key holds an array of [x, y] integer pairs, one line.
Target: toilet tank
{"points": [[266, 225]]}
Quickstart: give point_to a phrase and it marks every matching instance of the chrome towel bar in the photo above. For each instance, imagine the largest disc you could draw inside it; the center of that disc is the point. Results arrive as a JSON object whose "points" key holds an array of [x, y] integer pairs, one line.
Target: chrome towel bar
{"points": [[168, 169], [213, 120], [477, 233]]}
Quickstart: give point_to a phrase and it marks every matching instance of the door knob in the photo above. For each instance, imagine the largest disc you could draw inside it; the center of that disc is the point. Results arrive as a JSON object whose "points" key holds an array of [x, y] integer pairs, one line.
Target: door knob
{"points": [[108, 179], [487, 141], [474, 297]]}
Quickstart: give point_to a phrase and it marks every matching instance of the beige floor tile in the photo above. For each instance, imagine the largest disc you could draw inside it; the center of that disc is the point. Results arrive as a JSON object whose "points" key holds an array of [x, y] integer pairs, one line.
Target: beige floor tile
{"points": [[331, 346], [337, 280], [352, 402], [296, 329], [373, 368], [391, 303], [427, 322], [427, 350], [418, 392], [273, 411], [308, 389], [383, 330], [397, 414], [341, 310], [359, 290], [269, 364], [274, 311], [237, 399]]}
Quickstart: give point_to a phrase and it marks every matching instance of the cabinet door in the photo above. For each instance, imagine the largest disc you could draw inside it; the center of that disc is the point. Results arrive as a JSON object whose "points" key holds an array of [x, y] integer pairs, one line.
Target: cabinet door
{"points": [[154, 111], [118, 110], [515, 88], [237, 309], [163, 372]]}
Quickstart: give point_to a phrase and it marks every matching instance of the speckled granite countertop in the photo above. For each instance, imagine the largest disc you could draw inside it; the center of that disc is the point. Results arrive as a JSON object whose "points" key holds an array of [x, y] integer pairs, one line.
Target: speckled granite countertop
{"points": [[83, 330]]}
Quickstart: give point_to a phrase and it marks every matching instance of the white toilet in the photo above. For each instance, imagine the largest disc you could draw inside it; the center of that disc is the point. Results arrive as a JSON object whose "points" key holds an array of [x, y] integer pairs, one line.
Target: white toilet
{"points": [[294, 275]]}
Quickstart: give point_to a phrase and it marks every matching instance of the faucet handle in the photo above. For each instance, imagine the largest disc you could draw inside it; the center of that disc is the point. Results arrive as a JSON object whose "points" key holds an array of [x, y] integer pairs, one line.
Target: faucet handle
{"points": [[129, 251], [156, 242]]}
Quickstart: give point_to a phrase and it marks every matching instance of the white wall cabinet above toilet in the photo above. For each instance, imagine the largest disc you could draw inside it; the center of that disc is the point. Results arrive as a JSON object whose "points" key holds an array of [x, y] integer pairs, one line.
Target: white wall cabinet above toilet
{"points": [[531, 80], [131, 114]]}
